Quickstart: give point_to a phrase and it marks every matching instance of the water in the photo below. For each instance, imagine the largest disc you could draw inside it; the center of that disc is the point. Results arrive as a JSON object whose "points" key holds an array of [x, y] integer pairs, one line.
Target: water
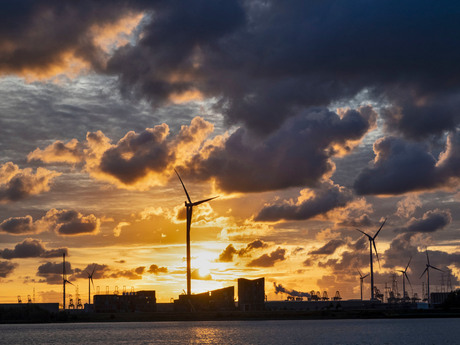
{"points": [[356, 332]]}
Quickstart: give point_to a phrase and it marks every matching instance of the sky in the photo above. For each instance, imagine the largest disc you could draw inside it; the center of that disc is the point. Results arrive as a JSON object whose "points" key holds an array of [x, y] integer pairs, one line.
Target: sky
{"points": [[308, 120]]}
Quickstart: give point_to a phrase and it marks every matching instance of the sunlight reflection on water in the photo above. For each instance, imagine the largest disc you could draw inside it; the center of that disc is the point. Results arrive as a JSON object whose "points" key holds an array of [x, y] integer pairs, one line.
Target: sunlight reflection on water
{"points": [[410, 331]]}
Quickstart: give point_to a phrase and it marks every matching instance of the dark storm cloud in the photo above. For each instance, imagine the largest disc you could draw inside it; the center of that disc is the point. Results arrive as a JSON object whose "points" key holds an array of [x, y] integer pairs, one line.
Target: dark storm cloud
{"points": [[360, 221], [401, 166], [132, 274], [269, 260], [6, 268], [18, 225], [52, 272], [17, 184], [329, 248], [99, 271], [38, 36], [324, 199], [30, 248], [276, 58], [297, 154], [430, 222], [70, 222]]}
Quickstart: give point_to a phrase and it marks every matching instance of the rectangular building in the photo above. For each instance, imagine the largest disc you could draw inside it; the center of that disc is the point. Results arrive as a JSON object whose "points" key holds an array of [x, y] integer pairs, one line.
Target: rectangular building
{"points": [[251, 294]]}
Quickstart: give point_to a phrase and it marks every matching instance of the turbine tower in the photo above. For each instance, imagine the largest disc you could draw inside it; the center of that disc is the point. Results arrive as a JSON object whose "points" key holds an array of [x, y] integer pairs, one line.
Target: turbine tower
{"points": [[372, 243], [405, 276], [64, 281], [90, 281], [427, 270], [361, 278], [189, 206]]}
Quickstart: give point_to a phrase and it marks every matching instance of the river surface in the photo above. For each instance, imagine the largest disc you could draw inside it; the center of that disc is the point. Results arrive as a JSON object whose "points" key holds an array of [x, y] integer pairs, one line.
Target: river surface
{"points": [[386, 331]]}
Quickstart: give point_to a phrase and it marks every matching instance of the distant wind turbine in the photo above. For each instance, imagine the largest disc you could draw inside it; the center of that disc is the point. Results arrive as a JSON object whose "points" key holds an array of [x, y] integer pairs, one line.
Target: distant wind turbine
{"points": [[361, 278], [372, 243], [90, 281], [405, 276], [427, 270], [189, 206], [64, 281]]}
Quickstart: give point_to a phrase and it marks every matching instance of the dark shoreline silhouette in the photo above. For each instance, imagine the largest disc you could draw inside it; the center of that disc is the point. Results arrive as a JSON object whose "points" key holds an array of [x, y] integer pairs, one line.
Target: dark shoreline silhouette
{"points": [[33, 314]]}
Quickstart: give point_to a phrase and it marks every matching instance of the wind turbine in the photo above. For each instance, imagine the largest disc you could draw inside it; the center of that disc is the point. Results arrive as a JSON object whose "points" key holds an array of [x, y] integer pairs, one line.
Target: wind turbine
{"points": [[427, 270], [90, 281], [405, 276], [372, 243], [361, 278], [189, 206], [64, 281]]}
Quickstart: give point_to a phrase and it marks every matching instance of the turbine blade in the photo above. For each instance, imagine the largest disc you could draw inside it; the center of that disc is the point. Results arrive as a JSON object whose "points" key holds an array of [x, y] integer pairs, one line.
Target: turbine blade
{"points": [[185, 189], [427, 258], [426, 269], [381, 226], [408, 264], [66, 281], [365, 276], [89, 275], [359, 272], [94, 268], [376, 254], [92, 281], [436, 268], [407, 277], [364, 233], [202, 201]]}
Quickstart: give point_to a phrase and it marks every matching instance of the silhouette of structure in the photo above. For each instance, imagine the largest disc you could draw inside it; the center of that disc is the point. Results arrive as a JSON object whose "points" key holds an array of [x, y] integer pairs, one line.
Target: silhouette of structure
{"points": [[64, 281], [251, 294], [361, 282], [189, 206], [215, 300], [372, 243], [404, 277], [141, 301], [90, 281], [427, 271]]}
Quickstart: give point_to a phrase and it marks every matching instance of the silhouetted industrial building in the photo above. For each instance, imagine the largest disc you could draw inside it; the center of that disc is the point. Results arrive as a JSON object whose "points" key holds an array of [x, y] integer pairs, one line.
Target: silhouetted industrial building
{"points": [[141, 301], [438, 297], [251, 294], [221, 299]]}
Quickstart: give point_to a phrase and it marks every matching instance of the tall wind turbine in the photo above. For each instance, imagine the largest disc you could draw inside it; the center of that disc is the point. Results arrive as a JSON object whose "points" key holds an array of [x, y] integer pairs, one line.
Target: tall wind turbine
{"points": [[361, 278], [372, 243], [405, 276], [64, 281], [189, 206], [90, 281], [427, 270]]}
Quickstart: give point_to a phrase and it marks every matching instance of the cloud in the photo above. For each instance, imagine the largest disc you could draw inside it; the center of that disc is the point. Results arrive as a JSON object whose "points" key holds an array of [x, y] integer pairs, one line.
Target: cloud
{"points": [[70, 222], [52, 272], [297, 154], [157, 270], [401, 166], [269, 260], [431, 221], [132, 274], [99, 271], [119, 227], [227, 254], [31, 248], [17, 184], [18, 225], [6, 268], [56, 38], [408, 205], [329, 248], [138, 160], [310, 203]]}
